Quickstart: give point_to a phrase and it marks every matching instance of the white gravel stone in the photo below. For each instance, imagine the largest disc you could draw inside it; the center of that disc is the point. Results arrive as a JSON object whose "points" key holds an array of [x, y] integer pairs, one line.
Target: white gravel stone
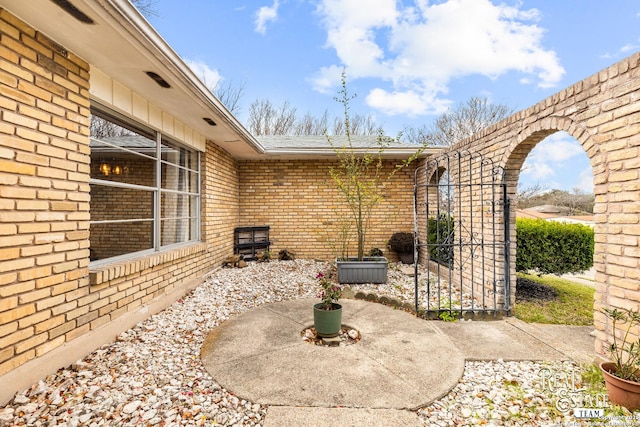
{"points": [[152, 373]]}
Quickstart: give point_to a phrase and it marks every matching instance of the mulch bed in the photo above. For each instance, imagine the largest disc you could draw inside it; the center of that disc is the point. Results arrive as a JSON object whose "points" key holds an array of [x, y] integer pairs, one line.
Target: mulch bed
{"points": [[528, 290]]}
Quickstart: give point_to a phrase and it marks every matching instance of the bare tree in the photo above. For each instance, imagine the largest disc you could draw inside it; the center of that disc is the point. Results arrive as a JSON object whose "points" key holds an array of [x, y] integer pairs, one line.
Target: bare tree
{"points": [[102, 128], [267, 119], [359, 125], [146, 7], [524, 194], [310, 125], [230, 94], [419, 135], [574, 202], [466, 119]]}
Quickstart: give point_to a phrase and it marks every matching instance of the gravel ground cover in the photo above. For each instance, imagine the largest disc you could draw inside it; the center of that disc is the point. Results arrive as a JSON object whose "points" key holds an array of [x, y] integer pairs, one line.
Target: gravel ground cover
{"points": [[152, 375]]}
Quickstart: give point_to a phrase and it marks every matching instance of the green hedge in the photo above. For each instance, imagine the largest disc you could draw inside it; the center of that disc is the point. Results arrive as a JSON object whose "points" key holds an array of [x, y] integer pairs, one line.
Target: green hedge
{"points": [[549, 247], [440, 239]]}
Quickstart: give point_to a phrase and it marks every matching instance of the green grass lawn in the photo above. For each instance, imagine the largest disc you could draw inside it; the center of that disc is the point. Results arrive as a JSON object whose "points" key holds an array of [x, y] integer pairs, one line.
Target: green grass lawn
{"points": [[574, 305]]}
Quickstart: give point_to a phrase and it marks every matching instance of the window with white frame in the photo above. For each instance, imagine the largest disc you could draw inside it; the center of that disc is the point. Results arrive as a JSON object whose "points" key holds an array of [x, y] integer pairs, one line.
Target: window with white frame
{"points": [[145, 190]]}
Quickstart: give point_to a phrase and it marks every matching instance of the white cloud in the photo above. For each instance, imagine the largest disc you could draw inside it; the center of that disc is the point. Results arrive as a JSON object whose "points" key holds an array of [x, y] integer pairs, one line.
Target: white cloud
{"points": [[585, 180], [264, 15], [555, 163], [410, 102], [557, 149], [327, 79], [418, 50], [209, 76], [537, 170]]}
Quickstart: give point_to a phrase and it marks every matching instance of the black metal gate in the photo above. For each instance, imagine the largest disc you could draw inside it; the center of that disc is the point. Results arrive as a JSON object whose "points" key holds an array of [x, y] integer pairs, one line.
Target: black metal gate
{"points": [[461, 220]]}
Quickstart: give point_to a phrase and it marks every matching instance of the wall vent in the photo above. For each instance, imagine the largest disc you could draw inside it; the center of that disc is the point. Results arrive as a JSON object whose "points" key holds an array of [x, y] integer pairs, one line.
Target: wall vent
{"points": [[70, 8], [156, 78]]}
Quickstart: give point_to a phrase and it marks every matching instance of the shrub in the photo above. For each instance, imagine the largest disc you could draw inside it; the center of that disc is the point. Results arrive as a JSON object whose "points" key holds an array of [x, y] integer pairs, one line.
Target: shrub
{"points": [[440, 236], [401, 242], [550, 247], [375, 252]]}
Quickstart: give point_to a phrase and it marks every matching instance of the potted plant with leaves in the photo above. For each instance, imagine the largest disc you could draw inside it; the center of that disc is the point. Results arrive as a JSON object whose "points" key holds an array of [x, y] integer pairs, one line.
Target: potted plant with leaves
{"points": [[327, 315], [402, 243], [361, 180], [622, 374]]}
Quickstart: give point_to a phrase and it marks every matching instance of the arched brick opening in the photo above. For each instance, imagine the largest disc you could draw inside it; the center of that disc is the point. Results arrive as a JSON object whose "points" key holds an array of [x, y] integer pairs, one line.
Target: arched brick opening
{"points": [[603, 113], [521, 147]]}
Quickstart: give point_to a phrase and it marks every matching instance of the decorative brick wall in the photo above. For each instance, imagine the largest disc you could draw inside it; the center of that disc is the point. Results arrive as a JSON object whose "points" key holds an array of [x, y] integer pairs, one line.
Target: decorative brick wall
{"points": [[603, 113], [301, 204]]}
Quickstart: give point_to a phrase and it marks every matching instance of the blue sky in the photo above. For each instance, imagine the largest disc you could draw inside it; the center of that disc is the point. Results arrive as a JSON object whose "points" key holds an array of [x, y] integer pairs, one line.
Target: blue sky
{"points": [[408, 61]]}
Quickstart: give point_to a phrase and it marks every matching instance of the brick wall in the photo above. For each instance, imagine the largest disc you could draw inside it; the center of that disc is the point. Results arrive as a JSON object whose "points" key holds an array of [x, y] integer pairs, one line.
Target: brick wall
{"points": [[221, 202], [44, 190], [301, 204], [48, 295]]}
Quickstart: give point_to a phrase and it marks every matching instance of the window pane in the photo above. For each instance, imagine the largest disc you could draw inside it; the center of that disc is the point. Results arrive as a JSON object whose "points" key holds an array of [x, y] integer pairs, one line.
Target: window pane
{"points": [[177, 155], [126, 220], [110, 240], [177, 230], [177, 179], [115, 203], [175, 205], [115, 164]]}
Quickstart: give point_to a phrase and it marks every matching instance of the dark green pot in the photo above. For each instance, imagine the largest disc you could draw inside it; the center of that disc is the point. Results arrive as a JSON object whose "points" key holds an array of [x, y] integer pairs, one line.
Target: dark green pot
{"points": [[327, 322]]}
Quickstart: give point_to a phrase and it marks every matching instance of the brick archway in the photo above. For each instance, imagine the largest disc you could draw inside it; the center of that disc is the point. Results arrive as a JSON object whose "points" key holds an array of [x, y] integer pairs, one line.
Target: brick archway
{"points": [[603, 113]]}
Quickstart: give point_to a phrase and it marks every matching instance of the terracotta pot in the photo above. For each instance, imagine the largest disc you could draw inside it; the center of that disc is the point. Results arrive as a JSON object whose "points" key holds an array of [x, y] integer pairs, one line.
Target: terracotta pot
{"points": [[621, 392], [327, 322]]}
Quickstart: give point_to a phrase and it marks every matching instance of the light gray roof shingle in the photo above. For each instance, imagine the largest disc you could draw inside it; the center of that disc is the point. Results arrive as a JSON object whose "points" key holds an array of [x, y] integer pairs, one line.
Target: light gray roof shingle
{"points": [[274, 142]]}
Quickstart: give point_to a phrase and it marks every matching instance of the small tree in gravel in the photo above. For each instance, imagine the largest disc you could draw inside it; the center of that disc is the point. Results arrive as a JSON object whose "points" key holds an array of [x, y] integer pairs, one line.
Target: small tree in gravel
{"points": [[360, 178]]}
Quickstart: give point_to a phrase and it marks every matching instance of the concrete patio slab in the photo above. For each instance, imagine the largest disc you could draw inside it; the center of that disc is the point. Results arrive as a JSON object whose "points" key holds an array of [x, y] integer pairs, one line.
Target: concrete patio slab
{"points": [[279, 416], [401, 363]]}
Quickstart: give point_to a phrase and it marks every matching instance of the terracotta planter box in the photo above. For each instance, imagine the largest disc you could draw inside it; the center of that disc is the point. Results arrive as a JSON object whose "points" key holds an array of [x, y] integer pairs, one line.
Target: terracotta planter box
{"points": [[369, 270]]}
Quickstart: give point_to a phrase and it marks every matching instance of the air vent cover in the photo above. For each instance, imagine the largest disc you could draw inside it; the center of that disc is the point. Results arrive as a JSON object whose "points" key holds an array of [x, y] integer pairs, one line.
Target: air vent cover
{"points": [[156, 78], [72, 10]]}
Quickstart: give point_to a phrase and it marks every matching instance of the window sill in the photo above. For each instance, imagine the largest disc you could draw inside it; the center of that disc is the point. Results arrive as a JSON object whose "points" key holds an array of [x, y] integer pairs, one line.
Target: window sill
{"points": [[122, 268]]}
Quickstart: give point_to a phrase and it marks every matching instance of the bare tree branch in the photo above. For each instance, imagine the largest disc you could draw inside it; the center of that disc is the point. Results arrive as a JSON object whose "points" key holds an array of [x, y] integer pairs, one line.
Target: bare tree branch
{"points": [[466, 119], [146, 7], [230, 94], [267, 119]]}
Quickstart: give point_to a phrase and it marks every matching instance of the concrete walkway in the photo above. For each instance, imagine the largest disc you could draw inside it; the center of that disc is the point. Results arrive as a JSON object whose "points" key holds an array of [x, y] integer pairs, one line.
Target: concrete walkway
{"points": [[401, 363]]}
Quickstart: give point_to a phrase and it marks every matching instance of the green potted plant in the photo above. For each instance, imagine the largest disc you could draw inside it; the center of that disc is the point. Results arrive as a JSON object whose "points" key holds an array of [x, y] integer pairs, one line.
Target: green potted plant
{"points": [[622, 374], [402, 243], [361, 180], [327, 315]]}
